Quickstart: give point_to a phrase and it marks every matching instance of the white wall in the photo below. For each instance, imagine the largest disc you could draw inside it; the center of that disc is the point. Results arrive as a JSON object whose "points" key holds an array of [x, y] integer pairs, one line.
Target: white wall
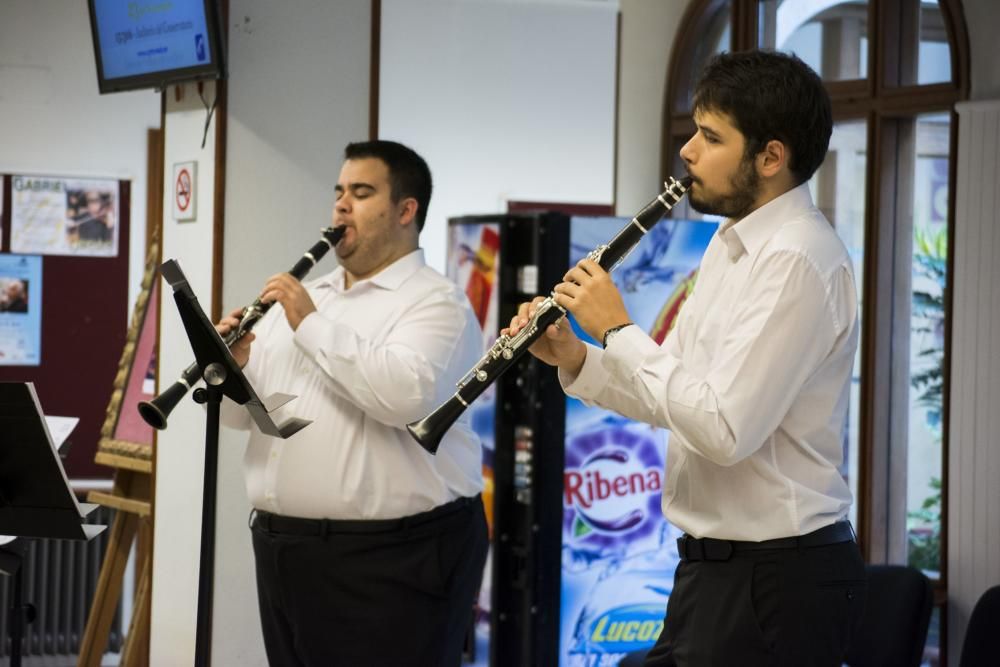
{"points": [[297, 93], [52, 119], [647, 36], [974, 496], [505, 100], [973, 462], [180, 449]]}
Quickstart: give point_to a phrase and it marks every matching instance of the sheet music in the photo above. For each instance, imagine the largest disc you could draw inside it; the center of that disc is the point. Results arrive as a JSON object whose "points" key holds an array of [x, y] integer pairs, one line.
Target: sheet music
{"points": [[60, 428], [43, 510], [55, 450]]}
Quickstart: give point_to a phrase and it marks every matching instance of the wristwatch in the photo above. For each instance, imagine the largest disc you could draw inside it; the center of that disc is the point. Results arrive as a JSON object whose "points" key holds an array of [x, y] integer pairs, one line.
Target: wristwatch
{"points": [[610, 333]]}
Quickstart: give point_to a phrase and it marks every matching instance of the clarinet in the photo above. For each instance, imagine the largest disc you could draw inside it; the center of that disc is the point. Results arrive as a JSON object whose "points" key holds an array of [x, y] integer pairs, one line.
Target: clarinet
{"points": [[507, 350], [156, 411]]}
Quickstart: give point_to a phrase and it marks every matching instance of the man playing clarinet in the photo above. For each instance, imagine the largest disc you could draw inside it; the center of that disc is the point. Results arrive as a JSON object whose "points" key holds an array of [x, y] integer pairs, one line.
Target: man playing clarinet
{"points": [[753, 382], [368, 549]]}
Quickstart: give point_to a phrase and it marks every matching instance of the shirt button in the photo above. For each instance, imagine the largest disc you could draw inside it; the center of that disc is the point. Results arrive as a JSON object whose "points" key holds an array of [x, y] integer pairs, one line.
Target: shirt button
{"points": [[274, 454]]}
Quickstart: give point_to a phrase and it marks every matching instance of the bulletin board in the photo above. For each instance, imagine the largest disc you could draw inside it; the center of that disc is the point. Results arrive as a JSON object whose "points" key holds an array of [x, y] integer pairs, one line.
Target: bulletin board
{"points": [[84, 300]]}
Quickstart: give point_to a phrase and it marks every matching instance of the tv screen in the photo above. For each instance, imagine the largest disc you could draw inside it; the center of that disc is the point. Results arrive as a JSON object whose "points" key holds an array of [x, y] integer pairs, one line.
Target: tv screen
{"points": [[153, 43]]}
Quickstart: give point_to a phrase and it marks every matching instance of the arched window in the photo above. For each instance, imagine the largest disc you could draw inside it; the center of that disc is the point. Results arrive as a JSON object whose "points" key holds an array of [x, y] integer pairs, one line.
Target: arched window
{"points": [[894, 70]]}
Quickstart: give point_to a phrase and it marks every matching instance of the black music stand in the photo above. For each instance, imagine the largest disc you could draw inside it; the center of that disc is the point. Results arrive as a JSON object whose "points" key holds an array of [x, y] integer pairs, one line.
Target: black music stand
{"points": [[36, 500], [223, 377]]}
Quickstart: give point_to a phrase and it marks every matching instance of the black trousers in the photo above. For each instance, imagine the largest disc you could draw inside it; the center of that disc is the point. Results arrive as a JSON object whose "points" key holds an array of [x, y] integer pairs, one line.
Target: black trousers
{"points": [[787, 606], [354, 593]]}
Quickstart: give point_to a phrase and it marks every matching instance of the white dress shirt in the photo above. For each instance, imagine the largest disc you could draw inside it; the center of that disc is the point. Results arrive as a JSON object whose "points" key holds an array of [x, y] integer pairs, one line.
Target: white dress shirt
{"points": [[373, 358], [752, 382]]}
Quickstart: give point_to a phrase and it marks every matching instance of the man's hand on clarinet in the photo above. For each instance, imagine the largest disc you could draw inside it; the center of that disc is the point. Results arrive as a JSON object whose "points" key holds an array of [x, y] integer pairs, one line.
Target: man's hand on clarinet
{"points": [[241, 348], [589, 293], [292, 296], [558, 346]]}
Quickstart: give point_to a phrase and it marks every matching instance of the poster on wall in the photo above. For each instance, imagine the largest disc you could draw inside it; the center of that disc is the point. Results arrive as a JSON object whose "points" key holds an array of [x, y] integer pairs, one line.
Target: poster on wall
{"points": [[619, 553], [20, 310], [60, 216]]}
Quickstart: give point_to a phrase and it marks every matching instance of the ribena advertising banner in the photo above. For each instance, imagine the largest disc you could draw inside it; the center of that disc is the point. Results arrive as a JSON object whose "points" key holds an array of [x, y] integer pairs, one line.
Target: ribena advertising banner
{"points": [[619, 553]]}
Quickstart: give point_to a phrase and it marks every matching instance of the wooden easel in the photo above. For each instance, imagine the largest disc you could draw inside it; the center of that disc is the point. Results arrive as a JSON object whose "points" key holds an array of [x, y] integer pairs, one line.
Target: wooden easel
{"points": [[131, 495]]}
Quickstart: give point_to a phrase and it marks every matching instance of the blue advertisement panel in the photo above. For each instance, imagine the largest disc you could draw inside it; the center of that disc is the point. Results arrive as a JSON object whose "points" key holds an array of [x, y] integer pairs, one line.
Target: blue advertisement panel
{"points": [[20, 310], [618, 552]]}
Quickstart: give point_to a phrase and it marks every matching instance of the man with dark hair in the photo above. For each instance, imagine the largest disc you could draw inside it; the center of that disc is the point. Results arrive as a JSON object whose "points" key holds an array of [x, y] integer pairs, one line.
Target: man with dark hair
{"points": [[369, 550], [753, 382], [409, 175], [770, 96]]}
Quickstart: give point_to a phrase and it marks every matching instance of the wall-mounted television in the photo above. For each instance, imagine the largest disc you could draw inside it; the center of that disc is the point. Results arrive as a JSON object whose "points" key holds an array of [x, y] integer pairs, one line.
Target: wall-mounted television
{"points": [[154, 43]]}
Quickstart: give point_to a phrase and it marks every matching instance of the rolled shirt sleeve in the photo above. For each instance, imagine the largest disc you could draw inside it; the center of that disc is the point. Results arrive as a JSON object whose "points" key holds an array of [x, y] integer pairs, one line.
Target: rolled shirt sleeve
{"points": [[397, 379]]}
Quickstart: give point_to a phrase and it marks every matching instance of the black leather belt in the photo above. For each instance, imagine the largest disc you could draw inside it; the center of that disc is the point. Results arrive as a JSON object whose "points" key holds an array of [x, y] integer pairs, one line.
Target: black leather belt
{"points": [[291, 525], [709, 548]]}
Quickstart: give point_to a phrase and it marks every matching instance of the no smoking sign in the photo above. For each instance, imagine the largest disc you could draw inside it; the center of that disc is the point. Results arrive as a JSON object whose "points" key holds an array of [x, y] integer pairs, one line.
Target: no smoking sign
{"points": [[184, 187]]}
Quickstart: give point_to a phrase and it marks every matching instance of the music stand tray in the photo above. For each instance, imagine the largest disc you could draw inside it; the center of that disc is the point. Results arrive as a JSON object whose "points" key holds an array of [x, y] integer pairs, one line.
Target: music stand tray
{"points": [[223, 377], [214, 358], [35, 496]]}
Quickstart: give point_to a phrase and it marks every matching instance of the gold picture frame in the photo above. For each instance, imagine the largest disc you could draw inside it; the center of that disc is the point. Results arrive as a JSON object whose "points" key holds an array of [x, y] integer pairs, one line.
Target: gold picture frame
{"points": [[128, 443]]}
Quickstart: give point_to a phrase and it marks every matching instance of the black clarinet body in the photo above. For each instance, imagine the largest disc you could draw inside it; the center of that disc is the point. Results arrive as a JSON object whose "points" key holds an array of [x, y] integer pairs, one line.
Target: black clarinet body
{"points": [[505, 352], [156, 411]]}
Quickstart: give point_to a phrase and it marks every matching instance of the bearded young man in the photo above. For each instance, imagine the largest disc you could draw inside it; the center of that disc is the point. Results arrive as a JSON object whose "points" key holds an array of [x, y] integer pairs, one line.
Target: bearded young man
{"points": [[368, 549], [753, 382]]}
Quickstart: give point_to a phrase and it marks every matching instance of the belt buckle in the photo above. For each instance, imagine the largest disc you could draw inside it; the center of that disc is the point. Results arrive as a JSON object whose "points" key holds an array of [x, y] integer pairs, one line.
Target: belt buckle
{"points": [[718, 550], [690, 548]]}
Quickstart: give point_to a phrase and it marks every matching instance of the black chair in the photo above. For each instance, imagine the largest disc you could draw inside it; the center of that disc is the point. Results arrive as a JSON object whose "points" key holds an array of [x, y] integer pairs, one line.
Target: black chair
{"points": [[981, 647], [893, 627]]}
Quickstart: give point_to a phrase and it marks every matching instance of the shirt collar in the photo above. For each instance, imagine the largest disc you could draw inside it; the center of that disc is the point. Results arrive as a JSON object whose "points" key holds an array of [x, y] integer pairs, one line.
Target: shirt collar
{"points": [[749, 234], [390, 278]]}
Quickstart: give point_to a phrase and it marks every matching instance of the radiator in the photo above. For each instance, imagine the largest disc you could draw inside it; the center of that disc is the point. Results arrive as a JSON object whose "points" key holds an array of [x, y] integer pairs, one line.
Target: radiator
{"points": [[59, 577]]}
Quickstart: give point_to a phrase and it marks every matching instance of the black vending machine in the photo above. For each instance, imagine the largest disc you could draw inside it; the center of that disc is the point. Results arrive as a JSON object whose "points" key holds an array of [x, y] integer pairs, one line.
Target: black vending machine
{"points": [[502, 261], [583, 559]]}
